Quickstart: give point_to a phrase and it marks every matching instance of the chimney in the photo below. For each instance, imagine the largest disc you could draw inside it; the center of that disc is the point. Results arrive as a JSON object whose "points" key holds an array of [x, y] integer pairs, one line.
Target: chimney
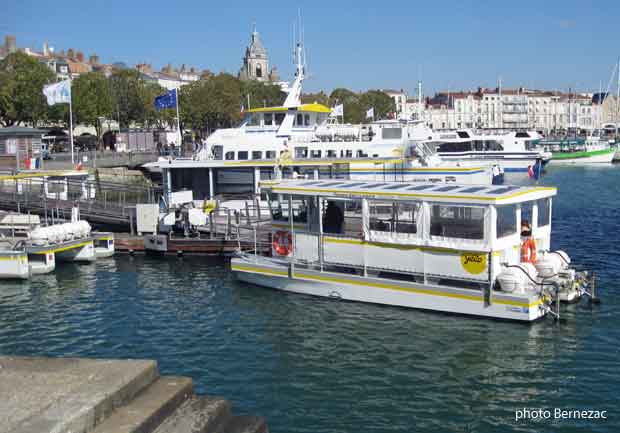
{"points": [[93, 60], [70, 54], [80, 56], [10, 43]]}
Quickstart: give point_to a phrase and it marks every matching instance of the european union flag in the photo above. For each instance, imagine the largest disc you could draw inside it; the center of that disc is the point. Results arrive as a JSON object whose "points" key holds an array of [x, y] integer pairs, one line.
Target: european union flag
{"points": [[167, 100]]}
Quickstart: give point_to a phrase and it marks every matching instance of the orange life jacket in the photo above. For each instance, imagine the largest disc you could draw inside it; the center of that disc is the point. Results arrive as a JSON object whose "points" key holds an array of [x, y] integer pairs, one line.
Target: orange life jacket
{"points": [[528, 251]]}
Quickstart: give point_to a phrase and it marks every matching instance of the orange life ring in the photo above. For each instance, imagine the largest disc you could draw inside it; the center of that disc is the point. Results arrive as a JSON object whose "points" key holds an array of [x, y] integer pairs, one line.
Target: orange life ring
{"points": [[282, 243], [528, 251]]}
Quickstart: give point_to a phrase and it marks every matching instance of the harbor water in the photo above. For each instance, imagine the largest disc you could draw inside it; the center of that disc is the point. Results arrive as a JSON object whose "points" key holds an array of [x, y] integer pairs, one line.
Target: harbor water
{"points": [[315, 365]]}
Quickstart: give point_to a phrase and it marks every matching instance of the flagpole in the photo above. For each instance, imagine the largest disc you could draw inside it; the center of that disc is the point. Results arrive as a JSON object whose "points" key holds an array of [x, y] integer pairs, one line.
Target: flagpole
{"points": [[71, 125], [176, 99]]}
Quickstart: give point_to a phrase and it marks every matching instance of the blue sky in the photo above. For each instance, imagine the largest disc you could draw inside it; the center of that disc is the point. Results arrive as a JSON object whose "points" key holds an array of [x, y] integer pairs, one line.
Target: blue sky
{"points": [[356, 44]]}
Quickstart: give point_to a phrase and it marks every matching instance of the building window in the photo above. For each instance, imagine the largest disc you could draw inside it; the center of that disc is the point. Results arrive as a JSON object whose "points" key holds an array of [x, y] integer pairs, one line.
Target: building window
{"points": [[259, 71]]}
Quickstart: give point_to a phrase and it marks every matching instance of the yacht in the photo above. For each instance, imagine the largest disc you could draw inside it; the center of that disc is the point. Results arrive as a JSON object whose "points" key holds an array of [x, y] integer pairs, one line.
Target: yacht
{"points": [[516, 151]]}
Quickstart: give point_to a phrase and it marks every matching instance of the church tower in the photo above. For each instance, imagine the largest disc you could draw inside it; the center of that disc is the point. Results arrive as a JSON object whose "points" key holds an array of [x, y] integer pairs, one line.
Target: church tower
{"points": [[256, 61]]}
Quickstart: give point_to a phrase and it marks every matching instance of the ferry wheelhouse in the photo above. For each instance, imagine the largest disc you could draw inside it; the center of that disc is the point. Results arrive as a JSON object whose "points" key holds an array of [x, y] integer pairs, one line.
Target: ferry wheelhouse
{"points": [[516, 151], [449, 248]]}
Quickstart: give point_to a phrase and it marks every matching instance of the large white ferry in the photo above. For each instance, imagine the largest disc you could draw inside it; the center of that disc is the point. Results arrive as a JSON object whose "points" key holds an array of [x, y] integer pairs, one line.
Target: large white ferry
{"points": [[516, 151], [449, 248], [296, 135]]}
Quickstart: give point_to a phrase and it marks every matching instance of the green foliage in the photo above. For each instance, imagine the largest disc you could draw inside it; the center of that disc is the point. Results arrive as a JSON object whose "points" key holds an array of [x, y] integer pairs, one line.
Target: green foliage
{"points": [[126, 86], [91, 99], [22, 79], [356, 104], [209, 104], [311, 98], [261, 94]]}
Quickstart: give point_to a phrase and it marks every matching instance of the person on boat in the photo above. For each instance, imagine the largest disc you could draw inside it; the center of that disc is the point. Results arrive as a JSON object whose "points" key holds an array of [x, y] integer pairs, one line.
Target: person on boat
{"points": [[528, 245], [333, 219]]}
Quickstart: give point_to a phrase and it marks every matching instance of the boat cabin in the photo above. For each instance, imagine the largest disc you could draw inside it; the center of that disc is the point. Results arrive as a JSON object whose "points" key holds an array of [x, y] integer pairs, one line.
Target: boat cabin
{"points": [[422, 232]]}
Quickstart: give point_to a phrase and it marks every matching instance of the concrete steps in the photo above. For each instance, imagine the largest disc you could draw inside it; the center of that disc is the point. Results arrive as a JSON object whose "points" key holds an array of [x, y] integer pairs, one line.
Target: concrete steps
{"points": [[108, 396], [197, 415], [147, 411]]}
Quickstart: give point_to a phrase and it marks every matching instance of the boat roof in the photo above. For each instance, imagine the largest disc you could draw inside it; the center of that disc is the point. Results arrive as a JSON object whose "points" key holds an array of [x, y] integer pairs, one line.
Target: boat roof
{"points": [[308, 108], [404, 191]]}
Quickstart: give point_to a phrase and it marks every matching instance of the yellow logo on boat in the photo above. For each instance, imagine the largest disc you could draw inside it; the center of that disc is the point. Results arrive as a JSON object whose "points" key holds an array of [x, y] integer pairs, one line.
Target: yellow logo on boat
{"points": [[474, 263]]}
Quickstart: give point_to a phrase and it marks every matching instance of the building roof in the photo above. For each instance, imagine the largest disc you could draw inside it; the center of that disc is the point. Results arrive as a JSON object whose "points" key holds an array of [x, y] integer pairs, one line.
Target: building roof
{"points": [[401, 191], [20, 131], [256, 48]]}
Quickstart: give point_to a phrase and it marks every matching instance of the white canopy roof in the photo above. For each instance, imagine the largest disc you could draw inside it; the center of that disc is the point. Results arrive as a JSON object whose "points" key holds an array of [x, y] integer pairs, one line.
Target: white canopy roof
{"points": [[402, 191]]}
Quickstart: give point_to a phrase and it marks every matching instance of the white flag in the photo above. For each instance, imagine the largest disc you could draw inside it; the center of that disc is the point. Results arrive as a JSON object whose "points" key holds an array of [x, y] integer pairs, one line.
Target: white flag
{"points": [[338, 110], [370, 114], [58, 93]]}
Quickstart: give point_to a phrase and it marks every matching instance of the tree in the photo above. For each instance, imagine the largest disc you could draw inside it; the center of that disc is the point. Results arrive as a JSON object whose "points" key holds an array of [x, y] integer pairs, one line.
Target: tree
{"points": [[261, 94], [350, 102], [210, 104], [380, 101], [22, 79], [91, 99], [152, 117], [127, 99], [311, 98]]}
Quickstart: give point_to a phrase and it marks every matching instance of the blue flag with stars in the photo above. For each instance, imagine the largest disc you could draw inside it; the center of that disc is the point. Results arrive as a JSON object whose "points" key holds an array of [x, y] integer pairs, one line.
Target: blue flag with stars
{"points": [[167, 100]]}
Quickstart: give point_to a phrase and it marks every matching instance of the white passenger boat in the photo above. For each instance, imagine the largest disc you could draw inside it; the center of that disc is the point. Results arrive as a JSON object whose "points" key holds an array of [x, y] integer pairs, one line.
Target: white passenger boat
{"points": [[305, 139], [449, 248], [13, 261], [515, 151]]}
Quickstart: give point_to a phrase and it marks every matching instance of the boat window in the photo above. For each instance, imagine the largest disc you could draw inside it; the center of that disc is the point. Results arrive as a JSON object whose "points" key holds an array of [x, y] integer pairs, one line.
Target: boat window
{"points": [[361, 154], [420, 187], [301, 152], [271, 154], [306, 120], [279, 118], [478, 145], [348, 153], [455, 147], [253, 119], [299, 121], [242, 154], [331, 154], [494, 145], [257, 154], [457, 222], [474, 189], [315, 153], [462, 134], [230, 155], [391, 133], [447, 188], [280, 211], [393, 217], [268, 119], [218, 151], [506, 224], [544, 211]]}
